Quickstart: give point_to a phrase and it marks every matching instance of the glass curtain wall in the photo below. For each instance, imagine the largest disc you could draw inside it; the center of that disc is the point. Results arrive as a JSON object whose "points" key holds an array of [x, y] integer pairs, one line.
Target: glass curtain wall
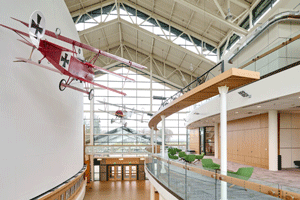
{"points": [[131, 136]]}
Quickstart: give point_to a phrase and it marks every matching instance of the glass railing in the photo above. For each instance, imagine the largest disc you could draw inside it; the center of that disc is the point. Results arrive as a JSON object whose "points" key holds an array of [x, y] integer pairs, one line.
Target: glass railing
{"points": [[280, 54], [192, 181]]}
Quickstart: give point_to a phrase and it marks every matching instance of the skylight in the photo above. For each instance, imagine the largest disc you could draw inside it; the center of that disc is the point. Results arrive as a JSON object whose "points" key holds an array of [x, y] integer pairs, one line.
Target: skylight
{"points": [[148, 23], [257, 14]]}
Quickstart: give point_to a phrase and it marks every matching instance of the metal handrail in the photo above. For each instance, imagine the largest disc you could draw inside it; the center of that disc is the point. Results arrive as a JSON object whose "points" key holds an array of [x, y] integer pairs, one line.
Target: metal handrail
{"points": [[284, 16], [199, 80]]}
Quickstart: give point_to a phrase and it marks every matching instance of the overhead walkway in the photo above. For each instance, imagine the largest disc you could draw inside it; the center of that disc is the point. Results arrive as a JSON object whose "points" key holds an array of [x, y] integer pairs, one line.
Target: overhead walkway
{"points": [[233, 78]]}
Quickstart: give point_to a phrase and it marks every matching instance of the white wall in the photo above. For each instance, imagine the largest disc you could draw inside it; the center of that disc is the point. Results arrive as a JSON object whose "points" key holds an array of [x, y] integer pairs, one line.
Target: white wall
{"points": [[41, 127], [289, 139]]}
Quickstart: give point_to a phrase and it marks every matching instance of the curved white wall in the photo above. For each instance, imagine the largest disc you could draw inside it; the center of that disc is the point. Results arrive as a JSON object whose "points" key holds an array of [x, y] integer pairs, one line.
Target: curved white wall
{"points": [[41, 127]]}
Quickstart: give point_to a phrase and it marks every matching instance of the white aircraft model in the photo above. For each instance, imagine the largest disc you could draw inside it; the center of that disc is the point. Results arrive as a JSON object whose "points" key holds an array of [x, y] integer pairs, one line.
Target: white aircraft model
{"points": [[123, 113]]}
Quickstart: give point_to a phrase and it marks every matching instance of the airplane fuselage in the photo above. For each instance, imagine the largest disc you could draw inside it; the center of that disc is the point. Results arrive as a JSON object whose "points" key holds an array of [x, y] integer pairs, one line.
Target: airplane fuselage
{"points": [[63, 59]]}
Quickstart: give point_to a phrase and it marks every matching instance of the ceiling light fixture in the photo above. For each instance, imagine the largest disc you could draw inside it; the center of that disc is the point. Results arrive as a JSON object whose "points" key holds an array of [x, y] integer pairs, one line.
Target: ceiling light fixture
{"points": [[191, 67], [204, 48], [244, 94], [229, 15]]}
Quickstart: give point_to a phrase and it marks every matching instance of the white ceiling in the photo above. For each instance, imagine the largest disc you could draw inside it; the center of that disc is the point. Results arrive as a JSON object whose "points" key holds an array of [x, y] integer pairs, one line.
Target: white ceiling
{"points": [[286, 104]]}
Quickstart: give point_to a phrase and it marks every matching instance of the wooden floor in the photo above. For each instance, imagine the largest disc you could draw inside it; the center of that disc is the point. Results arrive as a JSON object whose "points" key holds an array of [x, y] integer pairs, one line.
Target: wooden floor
{"points": [[118, 190]]}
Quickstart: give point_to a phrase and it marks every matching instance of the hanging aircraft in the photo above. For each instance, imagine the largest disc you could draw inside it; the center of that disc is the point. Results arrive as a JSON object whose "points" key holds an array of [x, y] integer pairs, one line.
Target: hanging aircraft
{"points": [[123, 113], [66, 61]]}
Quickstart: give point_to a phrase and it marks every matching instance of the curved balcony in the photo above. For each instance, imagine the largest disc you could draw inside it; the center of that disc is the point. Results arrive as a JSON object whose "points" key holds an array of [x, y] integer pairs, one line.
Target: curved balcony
{"points": [[73, 188], [180, 180]]}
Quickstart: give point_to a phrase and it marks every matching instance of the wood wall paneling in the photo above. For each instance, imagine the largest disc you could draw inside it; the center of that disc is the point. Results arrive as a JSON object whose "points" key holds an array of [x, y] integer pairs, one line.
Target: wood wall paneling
{"points": [[247, 141], [195, 140]]}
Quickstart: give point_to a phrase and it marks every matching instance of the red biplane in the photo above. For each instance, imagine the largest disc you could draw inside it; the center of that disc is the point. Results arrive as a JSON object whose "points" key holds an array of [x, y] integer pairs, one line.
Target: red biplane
{"points": [[66, 61]]}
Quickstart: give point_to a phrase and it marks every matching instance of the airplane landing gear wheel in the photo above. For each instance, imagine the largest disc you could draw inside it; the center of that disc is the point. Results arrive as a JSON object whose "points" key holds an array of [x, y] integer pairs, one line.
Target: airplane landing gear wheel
{"points": [[61, 87], [91, 94]]}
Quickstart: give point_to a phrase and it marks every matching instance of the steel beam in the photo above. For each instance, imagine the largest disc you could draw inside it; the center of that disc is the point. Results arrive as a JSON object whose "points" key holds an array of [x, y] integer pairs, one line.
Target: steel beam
{"points": [[200, 10]]}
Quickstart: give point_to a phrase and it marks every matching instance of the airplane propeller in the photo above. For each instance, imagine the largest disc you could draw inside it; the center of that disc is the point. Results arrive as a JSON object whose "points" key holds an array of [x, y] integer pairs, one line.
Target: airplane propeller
{"points": [[36, 27]]}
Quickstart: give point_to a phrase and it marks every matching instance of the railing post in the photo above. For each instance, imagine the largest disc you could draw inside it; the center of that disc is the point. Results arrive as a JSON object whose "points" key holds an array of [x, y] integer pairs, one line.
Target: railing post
{"points": [[152, 143], [222, 66]]}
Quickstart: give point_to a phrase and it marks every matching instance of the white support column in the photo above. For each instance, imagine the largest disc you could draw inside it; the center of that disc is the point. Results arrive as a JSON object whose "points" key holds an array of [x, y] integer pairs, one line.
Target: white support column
{"points": [[152, 143], [92, 119], [156, 141], [216, 130], [163, 135], [151, 84], [273, 140], [152, 192], [163, 170], [223, 125], [92, 166]]}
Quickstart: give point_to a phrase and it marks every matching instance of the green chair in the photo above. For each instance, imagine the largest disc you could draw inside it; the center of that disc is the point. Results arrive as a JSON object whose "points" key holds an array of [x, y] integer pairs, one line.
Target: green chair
{"points": [[242, 173], [172, 151], [189, 158], [178, 150], [209, 164], [172, 156], [181, 154], [199, 157]]}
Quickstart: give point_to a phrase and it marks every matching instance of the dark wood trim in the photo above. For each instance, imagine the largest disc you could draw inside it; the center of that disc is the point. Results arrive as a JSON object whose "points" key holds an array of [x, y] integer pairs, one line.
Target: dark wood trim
{"points": [[165, 187]]}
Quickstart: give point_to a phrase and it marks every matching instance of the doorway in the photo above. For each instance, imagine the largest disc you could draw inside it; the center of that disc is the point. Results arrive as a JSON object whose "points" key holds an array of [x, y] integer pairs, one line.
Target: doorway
{"points": [[130, 172], [207, 140], [115, 172]]}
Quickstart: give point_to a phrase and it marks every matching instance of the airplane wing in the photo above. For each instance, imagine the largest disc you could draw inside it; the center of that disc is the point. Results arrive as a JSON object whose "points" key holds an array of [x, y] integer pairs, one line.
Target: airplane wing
{"points": [[90, 48], [134, 110], [34, 63], [109, 112], [138, 120], [110, 72], [101, 86], [111, 104], [15, 30], [138, 111]]}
